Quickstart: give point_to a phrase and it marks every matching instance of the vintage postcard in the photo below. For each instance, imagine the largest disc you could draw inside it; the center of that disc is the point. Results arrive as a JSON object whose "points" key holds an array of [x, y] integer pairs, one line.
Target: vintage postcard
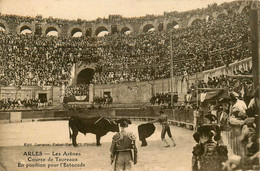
{"points": [[144, 85]]}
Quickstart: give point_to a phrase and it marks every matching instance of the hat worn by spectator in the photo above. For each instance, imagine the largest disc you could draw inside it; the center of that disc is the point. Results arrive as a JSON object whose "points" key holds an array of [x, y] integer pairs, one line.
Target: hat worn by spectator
{"points": [[208, 130], [124, 122]]}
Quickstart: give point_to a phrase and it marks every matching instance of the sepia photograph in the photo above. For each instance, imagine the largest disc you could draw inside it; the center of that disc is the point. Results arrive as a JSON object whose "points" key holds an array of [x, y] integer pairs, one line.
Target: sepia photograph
{"points": [[119, 85]]}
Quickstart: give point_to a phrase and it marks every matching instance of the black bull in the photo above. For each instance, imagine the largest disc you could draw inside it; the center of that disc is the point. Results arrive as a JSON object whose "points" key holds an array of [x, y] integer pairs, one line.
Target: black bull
{"points": [[145, 131], [96, 125]]}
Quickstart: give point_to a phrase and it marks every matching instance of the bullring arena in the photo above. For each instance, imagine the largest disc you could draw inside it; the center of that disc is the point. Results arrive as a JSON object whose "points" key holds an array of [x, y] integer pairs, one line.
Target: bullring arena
{"points": [[187, 64]]}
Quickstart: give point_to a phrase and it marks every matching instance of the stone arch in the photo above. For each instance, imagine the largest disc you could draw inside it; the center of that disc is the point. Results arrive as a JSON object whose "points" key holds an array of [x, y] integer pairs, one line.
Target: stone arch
{"points": [[242, 7], [4, 25], [73, 29], [24, 26], [47, 28], [125, 28], [170, 25], [146, 26], [85, 76], [166, 22], [50, 29], [221, 14], [217, 14], [101, 27], [193, 19]]}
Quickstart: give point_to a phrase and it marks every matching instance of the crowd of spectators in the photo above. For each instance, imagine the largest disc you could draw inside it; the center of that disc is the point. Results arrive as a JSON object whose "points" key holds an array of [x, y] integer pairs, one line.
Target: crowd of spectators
{"points": [[232, 118], [13, 104], [229, 6], [16, 18], [120, 19], [78, 90], [46, 60], [30, 60], [41, 60], [241, 121], [103, 102], [241, 82], [163, 99], [202, 46]]}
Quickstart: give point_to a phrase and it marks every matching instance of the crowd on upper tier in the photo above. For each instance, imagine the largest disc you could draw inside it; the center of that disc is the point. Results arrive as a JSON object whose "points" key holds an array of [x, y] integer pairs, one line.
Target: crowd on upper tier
{"points": [[229, 6], [203, 46], [28, 59]]}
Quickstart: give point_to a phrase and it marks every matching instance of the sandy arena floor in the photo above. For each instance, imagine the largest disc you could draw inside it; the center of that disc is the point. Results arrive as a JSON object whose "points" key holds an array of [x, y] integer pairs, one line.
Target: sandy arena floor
{"points": [[154, 157]]}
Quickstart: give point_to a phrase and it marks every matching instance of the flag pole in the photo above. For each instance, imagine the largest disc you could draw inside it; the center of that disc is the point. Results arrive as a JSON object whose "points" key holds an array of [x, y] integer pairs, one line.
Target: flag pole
{"points": [[171, 63]]}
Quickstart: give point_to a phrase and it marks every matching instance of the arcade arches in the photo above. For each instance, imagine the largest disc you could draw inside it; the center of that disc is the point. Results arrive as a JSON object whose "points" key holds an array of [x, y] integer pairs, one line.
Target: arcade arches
{"points": [[125, 30], [148, 28], [52, 31], [85, 76], [196, 22], [172, 25], [76, 32], [25, 29], [221, 15], [101, 31], [2, 27]]}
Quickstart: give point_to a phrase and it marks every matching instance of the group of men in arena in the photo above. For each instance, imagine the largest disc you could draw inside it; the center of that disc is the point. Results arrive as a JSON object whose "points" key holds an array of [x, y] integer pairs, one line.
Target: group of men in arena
{"points": [[123, 148]]}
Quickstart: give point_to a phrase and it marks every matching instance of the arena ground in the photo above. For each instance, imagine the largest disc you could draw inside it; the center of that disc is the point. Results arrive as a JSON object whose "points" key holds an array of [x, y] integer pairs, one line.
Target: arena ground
{"points": [[153, 157]]}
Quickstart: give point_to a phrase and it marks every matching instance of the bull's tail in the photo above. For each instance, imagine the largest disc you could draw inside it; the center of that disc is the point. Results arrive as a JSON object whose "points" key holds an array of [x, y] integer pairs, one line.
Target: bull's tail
{"points": [[69, 128]]}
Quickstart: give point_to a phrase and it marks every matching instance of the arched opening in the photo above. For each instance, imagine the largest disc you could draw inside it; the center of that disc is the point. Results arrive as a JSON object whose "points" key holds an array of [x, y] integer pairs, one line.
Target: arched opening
{"points": [[85, 76], [76, 32], [101, 31], [25, 30], [196, 22], [172, 25], [246, 10], [51, 31], [148, 28], [221, 16], [2, 27], [125, 30]]}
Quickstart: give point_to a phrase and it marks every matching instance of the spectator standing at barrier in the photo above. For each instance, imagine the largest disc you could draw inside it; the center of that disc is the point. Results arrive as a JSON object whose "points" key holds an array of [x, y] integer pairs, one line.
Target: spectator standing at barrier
{"points": [[238, 110], [200, 116], [213, 110], [237, 104], [123, 148], [208, 155], [223, 118], [163, 120], [249, 138], [196, 117]]}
